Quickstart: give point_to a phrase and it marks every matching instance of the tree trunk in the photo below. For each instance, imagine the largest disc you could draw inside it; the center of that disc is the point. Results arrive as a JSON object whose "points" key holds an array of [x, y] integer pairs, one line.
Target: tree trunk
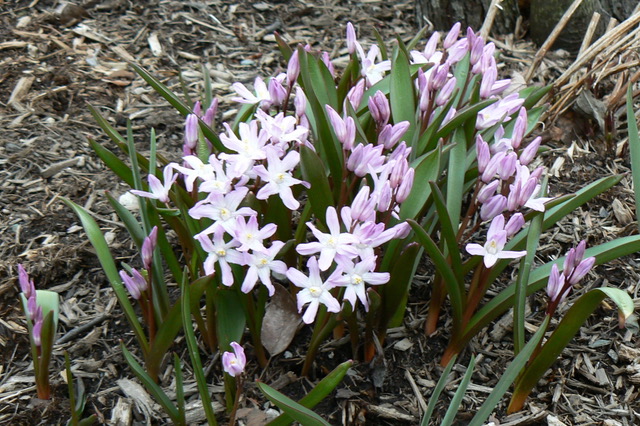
{"points": [[444, 13], [545, 15]]}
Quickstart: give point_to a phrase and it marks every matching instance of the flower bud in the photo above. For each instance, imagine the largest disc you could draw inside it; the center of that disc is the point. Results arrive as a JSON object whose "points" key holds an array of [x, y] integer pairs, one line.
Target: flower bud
{"points": [[476, 47], [514, 224], [445, 93], [293, 68], [493, 207], [452, 36], [581, 270], [507, 166], [555, 285], [405, 186], [135, 283], [488, 191], [379, 108], [26, 285], [483, 153], [197, 108], [210, 113], [37, 332], [327, 61], [492, 167], [432, 45], [355, 94], [191, 132], [300, 102], [351, 38], [488, 79], [277, 92], [529, 153], [148, 246]]}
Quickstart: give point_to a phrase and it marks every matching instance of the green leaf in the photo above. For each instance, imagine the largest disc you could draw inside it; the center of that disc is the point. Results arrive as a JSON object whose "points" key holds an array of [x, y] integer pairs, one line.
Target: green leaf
{"points": [[462, 116], [231, 317], [533, 237], [395, 293], [448, 233], [108, 265], [454, 405], [113, 162], [427, 168], [437, 391], [194, 355], [296, 411], [538, 279], [508, 377], [566, 330], [634, 148], [179, 386], [318, 393], [320, 196], [402, 96], [533, 94], [443, 267], [154, 389]]}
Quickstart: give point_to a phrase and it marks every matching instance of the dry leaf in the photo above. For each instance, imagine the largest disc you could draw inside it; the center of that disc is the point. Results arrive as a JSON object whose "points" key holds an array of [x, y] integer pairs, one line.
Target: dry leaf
{"points": [[280, 322]]}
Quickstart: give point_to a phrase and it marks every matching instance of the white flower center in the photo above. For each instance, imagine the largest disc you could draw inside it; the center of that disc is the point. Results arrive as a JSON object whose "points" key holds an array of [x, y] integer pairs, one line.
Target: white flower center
{"points": [[331, 242], [356, 279], [280, 177], [492, 247], [221, 252], [225, 214], [315, 291]]}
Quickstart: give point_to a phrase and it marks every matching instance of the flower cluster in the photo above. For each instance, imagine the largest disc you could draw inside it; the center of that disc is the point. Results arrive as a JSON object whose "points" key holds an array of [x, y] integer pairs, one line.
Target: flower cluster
{"points": [[573, 270]]}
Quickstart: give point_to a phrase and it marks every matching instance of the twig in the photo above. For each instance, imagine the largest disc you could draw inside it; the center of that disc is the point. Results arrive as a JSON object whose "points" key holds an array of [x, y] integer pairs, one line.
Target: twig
{"points": [[80, 329], [552, 38], [488, 20], [588, 35]]}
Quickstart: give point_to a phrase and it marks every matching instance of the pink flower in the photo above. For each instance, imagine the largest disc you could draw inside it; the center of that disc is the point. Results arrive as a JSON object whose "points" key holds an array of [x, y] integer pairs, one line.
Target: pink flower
{"points": [[332, 244], [26, 285], [493, 248], [135, 283], [261, 263], [354, 277], [159, 191], [279, 179], [234, 363], [222, 253], [314, 291]]}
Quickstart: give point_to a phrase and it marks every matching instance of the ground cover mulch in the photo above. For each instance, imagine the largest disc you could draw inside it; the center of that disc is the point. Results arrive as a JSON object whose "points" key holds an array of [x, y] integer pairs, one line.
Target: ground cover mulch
{"points": [[57, 59]]}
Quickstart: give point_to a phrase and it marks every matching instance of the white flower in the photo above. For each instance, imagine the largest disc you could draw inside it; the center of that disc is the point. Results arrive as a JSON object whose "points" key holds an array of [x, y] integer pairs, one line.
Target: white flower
{"points": [[314, 291]]}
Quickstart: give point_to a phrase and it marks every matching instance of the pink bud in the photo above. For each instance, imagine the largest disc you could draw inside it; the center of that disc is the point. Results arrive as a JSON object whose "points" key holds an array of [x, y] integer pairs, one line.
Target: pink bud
{"points": [[492, 167], [26, 285], [476, 49], [493, 207], [384, 197], [337, 123], [390, 135], [405, 186], [350, 137], [148, 246], [580, 250], [452, 36], [379, 108], [519, 128], [488, 191], [362, 204], [210, 113], [355, 94], [300, 102], [514, 224], [581, 270], [507, 166], [327, 61], [483, 152], [438, 77], [293, 68], [555, 285], [191, 132], [197, 108], [277, 92], [530, 152], [458, 51], [431, 45], [445, 93], [398, 172], [37, 332], [351, 38], [135, 283], [500, 86], [488, 78]]}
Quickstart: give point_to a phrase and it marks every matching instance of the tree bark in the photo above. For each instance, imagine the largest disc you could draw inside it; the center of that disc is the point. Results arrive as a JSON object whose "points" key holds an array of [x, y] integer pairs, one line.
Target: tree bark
{"points": [[444, 13]]}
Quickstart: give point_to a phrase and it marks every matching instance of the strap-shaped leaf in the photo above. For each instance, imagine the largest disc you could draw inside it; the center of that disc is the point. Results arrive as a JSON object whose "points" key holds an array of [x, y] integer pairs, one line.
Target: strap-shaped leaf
{"points": [[395, 293], [154, 389], [443, 267], [454, 405], [108, 265], [448, 233], [509, 376], [427, 168], [194, 355], [444, 378], [538, 279], [634, 148], [401, 97], [566, 330], [320, 195], [113, 162], [318, 393], [294, 410]]}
